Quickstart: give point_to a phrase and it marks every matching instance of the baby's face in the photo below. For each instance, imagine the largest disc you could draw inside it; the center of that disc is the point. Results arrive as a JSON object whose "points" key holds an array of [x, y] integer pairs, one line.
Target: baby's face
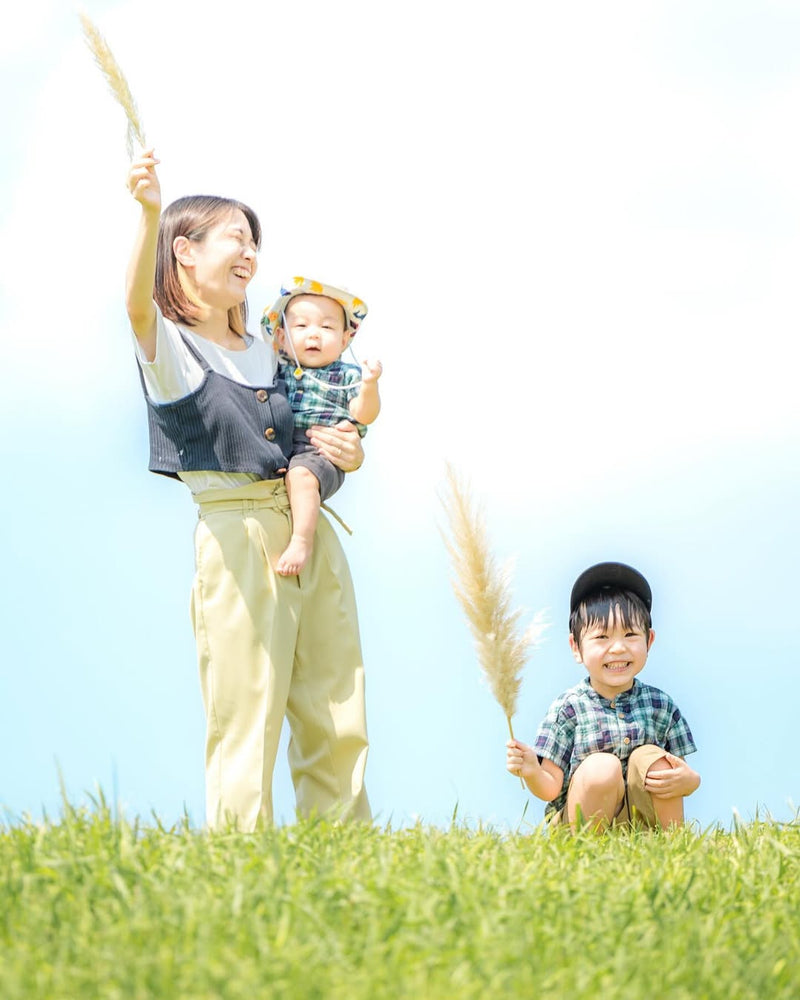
{"points": [[316, 326]]}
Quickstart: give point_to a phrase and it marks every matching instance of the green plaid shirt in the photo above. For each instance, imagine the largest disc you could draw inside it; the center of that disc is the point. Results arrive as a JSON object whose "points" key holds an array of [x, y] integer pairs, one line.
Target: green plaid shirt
{"points": [[581, 722], [322, 395]]}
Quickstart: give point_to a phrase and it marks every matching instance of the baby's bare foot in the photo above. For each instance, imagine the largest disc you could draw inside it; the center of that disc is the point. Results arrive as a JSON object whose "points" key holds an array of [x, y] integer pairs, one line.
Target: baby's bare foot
{"points": [[295, 556]]}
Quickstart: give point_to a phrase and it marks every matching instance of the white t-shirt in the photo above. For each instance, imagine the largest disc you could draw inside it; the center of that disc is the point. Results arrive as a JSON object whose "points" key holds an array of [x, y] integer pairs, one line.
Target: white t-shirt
{"points": [[175, 372]]}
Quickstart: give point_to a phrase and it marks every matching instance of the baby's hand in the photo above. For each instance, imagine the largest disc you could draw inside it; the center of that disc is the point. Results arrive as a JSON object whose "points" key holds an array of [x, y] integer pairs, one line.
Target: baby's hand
{"points": [[371, 370], [142, 181]]}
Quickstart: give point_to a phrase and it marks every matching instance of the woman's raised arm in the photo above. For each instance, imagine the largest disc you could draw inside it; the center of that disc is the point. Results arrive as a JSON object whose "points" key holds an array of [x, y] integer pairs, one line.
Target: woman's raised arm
{"points": [[145, 188]]}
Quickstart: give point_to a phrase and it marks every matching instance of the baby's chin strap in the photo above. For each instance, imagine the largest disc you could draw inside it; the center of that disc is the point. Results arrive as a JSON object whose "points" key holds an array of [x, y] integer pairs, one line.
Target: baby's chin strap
{"points": [[298, 371]]}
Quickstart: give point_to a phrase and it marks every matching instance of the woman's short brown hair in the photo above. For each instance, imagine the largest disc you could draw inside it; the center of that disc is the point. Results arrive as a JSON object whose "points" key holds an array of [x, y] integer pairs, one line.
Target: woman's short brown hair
{"points": [[193, 217]]}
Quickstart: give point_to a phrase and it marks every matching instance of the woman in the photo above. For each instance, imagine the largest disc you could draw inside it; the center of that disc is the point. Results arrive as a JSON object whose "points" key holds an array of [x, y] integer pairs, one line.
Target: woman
{"points": [[268, 645]]}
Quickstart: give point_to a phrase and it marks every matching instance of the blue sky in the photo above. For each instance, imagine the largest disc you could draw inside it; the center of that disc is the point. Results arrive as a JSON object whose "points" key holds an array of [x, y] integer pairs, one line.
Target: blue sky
{"points": [[578, 231]]}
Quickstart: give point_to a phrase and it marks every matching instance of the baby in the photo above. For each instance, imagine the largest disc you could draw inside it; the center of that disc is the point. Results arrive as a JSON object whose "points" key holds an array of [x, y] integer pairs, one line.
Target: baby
{"points": [[312, 324]]}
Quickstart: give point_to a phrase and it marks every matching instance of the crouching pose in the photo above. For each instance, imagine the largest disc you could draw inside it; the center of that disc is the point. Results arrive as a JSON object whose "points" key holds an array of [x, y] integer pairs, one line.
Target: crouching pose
{"points": [[610, 749]]}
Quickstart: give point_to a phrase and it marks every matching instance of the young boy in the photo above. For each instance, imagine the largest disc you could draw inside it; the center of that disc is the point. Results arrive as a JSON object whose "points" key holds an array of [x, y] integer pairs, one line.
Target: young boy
{"points": [[312, 324], [611, 747]]}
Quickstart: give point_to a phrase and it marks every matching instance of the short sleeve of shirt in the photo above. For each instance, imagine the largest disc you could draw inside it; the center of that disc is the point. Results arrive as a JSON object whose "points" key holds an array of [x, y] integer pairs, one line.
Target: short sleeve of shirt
{"points": [[352, 382], [678, 740], [173, 373], [351, 379], [556, 736]]}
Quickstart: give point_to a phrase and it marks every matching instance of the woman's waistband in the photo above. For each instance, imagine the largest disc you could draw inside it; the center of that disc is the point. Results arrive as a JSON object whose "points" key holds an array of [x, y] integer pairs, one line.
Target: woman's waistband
{"points": [[262, 493]]}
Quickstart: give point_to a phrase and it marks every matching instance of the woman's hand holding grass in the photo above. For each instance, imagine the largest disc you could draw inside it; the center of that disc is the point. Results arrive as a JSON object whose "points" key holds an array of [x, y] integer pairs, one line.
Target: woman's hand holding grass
{"points": [[143, 181]]}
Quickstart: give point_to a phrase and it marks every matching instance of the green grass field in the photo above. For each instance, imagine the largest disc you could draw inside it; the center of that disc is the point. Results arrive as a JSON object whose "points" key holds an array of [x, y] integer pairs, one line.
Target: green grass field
{"points": [[93, 907]]}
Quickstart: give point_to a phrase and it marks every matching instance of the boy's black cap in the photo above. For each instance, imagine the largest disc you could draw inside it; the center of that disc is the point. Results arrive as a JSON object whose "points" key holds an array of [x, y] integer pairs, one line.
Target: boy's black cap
{"points": [[607, 576]]}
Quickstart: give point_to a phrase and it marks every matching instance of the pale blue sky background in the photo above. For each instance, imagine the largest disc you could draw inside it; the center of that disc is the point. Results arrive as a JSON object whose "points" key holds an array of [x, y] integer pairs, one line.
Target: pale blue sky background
{"points": [[577, 227]]}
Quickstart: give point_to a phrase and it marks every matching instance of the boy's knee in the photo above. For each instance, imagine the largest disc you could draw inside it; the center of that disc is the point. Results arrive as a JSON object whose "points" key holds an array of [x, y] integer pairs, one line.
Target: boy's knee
{"points": [[648, 758], [601, 769]]}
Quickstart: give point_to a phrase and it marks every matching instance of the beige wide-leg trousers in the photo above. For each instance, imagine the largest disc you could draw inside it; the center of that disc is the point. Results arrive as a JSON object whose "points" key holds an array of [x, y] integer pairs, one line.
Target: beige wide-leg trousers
{"points": [[271, 646]]}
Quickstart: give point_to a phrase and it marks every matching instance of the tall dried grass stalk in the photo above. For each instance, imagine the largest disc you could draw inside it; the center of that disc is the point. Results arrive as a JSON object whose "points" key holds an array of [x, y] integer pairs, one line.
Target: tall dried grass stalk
{"points": [[115, 78], [483, 590]]}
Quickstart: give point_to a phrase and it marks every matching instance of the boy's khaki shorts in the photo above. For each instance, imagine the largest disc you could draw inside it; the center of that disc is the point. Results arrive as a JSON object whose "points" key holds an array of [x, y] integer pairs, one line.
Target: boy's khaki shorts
{"points": [[637, 803]]}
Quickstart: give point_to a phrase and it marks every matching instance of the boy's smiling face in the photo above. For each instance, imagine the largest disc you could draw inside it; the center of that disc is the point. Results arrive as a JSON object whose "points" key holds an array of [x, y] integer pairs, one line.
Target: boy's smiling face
{"points": [[613, 653], [316, 325]]}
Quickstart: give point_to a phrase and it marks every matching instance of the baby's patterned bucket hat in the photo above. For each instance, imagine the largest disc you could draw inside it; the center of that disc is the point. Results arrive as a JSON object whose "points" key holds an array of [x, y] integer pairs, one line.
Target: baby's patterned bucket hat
{"points": [[355, 309]]}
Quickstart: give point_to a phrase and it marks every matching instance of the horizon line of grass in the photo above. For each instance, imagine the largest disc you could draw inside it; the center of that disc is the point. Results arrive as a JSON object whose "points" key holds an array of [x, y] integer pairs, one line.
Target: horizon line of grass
{"points": [[99, 802]]}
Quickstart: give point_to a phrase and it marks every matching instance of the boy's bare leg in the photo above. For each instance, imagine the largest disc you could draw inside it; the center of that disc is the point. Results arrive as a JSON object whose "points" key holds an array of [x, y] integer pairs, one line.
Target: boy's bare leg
{"points": [[597, 789], [669, 812], [303, 489]]}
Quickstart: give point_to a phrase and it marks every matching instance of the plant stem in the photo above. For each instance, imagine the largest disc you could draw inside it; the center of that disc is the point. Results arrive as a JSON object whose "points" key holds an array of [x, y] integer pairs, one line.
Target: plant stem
{"points": [[513, 737]]}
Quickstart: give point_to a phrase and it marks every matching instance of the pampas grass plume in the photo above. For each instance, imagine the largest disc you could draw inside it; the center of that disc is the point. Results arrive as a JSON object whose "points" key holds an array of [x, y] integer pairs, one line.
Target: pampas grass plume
{"points": [[484, 593], [117, 83]]}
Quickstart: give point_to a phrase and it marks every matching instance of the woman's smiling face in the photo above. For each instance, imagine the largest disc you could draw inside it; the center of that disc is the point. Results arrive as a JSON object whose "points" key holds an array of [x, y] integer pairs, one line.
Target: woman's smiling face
{"points": [[222, 264]]}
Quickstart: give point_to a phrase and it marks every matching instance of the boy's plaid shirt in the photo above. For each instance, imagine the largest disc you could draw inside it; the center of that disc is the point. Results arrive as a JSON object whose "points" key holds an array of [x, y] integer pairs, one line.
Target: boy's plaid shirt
{"points": [[322, 395], [581, 722]]}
